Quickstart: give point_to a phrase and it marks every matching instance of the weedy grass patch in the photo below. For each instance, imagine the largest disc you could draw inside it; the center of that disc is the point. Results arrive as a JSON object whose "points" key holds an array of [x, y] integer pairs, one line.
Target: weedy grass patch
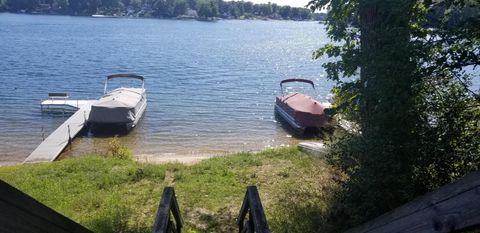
{"points": [[109, 194]]}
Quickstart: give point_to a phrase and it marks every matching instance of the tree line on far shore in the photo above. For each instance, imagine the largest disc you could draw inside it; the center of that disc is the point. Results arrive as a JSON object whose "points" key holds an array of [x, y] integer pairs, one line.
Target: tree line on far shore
{"points": [[201, 9]]}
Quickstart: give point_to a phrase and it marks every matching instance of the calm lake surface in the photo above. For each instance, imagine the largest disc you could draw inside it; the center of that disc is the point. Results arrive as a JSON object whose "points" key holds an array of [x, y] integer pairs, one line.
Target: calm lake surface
{"points": [[211, 87]]}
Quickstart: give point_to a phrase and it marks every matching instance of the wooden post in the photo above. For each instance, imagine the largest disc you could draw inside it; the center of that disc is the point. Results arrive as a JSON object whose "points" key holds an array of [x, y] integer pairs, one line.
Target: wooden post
{"points": [[168, 206], [69, 137], [257, 222]]}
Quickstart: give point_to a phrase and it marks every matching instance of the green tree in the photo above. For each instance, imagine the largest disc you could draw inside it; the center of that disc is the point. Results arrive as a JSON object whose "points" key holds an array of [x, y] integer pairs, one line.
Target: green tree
{"points": [[110, 3], [294, 13], [305, 14], [285, 12], [162, 9], [83, 7], [418, 121], [180, 7], [222, 6], [214, 7], [207, 9], [248, 7], [62, 5], [192, 4], [234, 10], [2, 5], [16, 5], [241, 8], [255, 9], [136, 3], [274, 8], [265, 9]]}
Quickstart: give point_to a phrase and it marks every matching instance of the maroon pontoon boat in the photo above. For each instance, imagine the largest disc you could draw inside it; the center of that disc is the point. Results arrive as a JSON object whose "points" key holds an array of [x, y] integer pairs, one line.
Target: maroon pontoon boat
{"points": [[302, 112]]}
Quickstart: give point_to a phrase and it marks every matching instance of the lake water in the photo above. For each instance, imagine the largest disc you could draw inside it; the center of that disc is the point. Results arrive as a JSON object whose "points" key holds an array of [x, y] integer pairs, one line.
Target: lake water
{"points": [[211, 86]]}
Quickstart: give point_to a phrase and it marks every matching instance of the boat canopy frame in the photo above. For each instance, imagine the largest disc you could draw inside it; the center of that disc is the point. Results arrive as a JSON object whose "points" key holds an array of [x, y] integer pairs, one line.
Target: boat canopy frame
{"points": [[126, 76], [290, 80]]}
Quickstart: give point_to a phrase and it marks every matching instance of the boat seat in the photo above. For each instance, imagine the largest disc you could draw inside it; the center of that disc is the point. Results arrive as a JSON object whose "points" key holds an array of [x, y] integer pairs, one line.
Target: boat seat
{"points": [[57, 95]]}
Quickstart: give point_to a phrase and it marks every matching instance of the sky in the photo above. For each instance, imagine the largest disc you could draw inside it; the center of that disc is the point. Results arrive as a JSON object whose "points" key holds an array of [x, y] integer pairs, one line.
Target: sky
{"points": [[295, 3]]}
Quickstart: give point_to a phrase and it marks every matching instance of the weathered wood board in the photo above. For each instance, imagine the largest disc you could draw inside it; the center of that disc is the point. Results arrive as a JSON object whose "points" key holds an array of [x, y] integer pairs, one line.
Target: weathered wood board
{"points": [[313, 148], [21, 213], [451, 208]]}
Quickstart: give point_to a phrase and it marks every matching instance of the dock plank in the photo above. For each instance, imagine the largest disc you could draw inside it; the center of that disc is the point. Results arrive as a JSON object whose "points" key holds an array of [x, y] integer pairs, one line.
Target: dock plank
{"points": [[56, 142], [314, 148], [63, 105]]}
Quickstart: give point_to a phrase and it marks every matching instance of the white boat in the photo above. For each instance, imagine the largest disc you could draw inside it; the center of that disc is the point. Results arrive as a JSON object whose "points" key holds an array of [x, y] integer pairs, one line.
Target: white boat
{"points": [[121, 108], [104, 16]]}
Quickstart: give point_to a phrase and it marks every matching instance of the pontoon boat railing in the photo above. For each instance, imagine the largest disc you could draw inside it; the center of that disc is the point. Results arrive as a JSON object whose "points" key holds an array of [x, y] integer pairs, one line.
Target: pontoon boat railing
{"points": [[296, 80]]}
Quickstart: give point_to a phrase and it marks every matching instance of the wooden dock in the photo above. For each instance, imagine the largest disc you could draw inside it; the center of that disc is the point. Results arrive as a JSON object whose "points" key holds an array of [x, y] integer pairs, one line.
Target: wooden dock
{"points": [[63, 105], [313, 148], [54, 144]]}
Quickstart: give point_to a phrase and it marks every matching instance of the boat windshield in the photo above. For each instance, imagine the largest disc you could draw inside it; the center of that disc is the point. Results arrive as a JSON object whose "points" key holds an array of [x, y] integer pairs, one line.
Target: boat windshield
{"points": [[300, 87], [122, 82]]}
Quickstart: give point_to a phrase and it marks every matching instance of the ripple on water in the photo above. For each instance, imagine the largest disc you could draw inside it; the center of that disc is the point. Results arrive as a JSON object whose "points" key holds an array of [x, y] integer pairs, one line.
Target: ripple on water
{"points": [[211, 87]]}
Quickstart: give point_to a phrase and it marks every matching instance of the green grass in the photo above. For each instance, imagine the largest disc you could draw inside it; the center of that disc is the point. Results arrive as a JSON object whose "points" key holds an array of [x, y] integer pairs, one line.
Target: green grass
{"points": [[113, 195]]}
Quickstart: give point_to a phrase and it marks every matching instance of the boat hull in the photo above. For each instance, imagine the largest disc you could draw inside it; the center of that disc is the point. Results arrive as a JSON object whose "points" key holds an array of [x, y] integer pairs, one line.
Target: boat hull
{"points": [[285, 117]]}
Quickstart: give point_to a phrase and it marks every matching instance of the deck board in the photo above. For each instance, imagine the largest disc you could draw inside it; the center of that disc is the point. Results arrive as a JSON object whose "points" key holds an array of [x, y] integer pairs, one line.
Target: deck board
{"points": [[56, 142], [314, 148]]}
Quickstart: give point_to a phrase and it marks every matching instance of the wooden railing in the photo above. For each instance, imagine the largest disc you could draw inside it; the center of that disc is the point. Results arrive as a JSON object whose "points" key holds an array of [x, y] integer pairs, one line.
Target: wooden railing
{"points": [[168, 207], [21, 213], [452, 208], [256, 222]]}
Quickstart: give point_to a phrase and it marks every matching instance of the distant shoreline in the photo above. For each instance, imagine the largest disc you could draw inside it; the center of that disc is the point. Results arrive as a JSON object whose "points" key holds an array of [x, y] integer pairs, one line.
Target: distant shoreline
{"points": [[202, 10], [213, 19]]}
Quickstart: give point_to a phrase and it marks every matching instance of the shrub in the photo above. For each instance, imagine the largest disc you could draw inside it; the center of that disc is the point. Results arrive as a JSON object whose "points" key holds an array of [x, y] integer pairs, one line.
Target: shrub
{"points": [[117, 150]]}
